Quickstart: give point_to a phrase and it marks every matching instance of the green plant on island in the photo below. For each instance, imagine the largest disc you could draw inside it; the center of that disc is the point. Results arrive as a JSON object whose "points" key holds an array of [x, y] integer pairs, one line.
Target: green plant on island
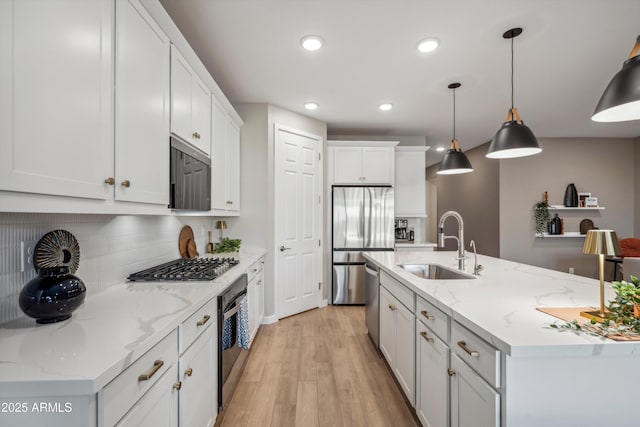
{"points": [[624, 314], [541, 217], [226, 245]]}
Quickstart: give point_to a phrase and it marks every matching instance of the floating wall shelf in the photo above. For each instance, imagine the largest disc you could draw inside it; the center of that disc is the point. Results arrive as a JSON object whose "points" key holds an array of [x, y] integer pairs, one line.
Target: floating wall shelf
{"points": [[568, 234], [564, 208]]}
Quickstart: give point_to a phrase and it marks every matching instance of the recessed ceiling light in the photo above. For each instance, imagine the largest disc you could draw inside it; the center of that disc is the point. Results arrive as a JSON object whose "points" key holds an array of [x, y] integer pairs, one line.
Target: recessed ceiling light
{"points": [[385, 107], [311, 105], [440, 148], [428, 44], [311, 42]]}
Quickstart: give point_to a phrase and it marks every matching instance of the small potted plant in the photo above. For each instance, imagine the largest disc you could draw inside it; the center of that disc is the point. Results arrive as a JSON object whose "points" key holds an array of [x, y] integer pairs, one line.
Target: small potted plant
{"points": [[626, 304], [541, 217]]}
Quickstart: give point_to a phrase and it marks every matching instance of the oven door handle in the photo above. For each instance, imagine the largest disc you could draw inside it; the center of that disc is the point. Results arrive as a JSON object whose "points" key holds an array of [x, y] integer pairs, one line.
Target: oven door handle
{"points": [[231, 312]]}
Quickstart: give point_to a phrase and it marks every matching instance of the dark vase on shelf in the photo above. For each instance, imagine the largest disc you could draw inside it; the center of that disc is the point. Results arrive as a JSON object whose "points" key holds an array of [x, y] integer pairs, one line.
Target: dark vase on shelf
{"points": [[53, 295], [571, 196], [555, 225]]}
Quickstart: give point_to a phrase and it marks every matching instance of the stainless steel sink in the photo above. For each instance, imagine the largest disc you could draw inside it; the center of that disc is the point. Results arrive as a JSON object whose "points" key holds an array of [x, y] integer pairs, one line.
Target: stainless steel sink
{"points": [[435, 272]]}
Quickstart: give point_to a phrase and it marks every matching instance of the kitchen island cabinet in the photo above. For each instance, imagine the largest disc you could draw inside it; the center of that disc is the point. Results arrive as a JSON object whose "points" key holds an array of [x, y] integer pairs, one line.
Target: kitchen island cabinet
{"points": [[507, 366]]}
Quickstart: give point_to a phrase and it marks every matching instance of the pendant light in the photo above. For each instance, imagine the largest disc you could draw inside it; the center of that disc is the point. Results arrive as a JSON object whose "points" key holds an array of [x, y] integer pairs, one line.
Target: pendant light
{"points": [[620, 101], [514, 138], [454, 160]]}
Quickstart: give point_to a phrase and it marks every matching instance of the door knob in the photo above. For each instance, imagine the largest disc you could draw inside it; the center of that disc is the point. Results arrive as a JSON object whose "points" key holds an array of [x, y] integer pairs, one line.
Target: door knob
{"points": [[282, 248], [110, 181], [126, 183]]}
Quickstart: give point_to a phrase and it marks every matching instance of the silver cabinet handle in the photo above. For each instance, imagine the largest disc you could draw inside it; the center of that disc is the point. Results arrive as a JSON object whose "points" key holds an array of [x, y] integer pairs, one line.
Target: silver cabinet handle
{"points": [[472, 353], [427, 315], [282, 248], [426, 337]]}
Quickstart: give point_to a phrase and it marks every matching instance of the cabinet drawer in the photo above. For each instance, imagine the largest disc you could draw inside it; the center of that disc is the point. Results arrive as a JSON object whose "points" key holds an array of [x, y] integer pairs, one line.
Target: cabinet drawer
{"points": [[254, 269], [191, 328], [128, 387], [477, 353], [398, 290], [433, 317]]}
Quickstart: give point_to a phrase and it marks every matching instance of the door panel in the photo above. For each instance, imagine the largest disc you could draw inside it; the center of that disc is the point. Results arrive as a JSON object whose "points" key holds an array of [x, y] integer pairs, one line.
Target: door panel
{"points": [[348, 217], [349, 284], [378, 217], [473, 402]]}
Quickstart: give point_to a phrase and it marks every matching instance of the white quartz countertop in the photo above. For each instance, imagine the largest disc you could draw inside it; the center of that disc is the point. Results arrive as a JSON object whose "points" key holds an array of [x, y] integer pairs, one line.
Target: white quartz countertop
{"points": [[107, 333], [415, 245], [500, 304]]}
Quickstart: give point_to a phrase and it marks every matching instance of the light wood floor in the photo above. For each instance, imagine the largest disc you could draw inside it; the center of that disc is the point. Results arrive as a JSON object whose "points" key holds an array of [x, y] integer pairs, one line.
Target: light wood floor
{"points": [[318, 368]]}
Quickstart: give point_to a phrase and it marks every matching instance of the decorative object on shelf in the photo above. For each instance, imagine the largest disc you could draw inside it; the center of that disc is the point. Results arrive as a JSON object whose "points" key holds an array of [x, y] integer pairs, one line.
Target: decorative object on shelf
{"points": [[621, 99], [514, 138], [57, 248], [227, 245], [187, 243], [210, 244], [571, 196], [454, 160], [541, 216], [602, 243], [591, 202], [221, 225], [586, 225], [582, 199], [555, 225], [53, 295]]}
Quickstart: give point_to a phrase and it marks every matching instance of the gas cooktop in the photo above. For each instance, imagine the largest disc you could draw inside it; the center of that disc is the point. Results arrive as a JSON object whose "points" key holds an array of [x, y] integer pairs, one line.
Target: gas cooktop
{"points": [[185, 269]]}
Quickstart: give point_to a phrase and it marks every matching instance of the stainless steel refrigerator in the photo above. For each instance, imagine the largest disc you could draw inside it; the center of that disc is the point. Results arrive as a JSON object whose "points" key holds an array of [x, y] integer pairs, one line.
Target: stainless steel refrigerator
{"points": [[362, 221]]}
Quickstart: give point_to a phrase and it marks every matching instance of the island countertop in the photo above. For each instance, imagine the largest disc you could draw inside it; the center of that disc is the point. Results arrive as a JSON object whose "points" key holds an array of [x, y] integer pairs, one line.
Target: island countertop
{"points": [[500, 303]]}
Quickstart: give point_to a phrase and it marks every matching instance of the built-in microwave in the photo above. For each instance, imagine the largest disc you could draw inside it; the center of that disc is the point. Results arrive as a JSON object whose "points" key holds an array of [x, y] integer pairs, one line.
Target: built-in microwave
{"points": [[190, 185]]}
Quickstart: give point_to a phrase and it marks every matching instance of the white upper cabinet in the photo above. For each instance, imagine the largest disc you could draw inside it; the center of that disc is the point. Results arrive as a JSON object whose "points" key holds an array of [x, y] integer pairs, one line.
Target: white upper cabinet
{"points": [[410, 186], [142, 106], [190, 104], [361, 162], [56, 102], [225, 163]]}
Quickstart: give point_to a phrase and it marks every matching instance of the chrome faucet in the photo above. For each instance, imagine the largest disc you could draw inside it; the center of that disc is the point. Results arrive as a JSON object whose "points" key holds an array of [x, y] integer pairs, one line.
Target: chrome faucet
{"points": [[459, 239], [477, 268]]}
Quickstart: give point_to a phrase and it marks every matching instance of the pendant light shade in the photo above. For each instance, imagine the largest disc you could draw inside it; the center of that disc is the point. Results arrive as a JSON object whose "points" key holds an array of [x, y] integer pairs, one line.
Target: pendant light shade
{"points": [[454, 160], [514, 138], [620, 101]]}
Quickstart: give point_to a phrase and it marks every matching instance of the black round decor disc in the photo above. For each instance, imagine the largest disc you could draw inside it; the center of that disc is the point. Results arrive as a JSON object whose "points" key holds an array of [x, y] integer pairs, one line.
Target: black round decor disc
{"points": [[57, 248]]}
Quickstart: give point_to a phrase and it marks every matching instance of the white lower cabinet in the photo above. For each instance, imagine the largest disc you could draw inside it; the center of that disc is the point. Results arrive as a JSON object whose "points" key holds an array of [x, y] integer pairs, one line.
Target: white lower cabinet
{"points": [[432, 379], [255, 295], [397, 341], [474, 403]]}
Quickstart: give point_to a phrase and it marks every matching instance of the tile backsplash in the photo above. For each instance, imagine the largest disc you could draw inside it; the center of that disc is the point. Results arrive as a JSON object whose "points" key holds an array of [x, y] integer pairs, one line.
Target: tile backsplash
{"points": [[111, 248]]}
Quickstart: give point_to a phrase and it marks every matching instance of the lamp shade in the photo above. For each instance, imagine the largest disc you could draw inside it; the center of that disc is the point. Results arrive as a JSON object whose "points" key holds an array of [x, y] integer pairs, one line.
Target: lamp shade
{"points": [[221, 225], [513, 139], [620, 101], [601, 242], [454, 162]]}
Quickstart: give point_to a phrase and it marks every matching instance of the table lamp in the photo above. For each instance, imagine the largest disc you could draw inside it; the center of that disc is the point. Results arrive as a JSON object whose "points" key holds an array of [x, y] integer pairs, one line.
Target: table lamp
{"points": [[601, 243], [222, 225]]}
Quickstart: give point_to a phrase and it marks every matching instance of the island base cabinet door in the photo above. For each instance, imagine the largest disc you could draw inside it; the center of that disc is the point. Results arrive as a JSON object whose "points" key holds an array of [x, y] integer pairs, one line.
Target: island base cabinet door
{"points": [[405, 351], [387, 327], [474, 403], [158, 407], [432, 380]]}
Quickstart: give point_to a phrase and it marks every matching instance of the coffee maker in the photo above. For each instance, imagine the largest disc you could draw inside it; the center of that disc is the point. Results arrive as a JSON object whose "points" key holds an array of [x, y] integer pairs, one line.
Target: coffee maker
{"points": [[401, 225]]}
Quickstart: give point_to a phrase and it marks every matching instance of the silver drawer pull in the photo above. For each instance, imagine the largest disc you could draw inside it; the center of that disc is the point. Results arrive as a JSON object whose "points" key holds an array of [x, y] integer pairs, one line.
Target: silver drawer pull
{"points": [[204, 320], [156, 367], [426, 337], [427, 315], [472, 353]]}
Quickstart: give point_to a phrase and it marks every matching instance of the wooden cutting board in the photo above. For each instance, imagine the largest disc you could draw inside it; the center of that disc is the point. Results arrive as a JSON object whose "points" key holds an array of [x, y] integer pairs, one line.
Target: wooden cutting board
{"points": [[187, 243]]}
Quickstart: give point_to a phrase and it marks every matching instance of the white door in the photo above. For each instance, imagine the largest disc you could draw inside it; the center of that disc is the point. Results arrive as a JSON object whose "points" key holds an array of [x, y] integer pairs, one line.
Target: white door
{"points": [[298, 221]]}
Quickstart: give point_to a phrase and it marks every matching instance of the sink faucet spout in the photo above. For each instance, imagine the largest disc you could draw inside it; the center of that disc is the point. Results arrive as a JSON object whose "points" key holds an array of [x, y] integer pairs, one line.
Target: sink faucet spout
{"points": [[459, 239]]}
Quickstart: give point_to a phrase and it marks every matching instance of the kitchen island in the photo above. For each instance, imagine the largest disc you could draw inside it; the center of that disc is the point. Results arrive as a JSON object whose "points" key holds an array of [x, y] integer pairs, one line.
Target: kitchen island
{"points": [[543, 376], [64, 368]]}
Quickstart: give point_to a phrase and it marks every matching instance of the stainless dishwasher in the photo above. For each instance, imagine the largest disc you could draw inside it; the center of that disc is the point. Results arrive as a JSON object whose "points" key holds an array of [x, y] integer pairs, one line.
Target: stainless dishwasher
{"points": [[372, 302]]}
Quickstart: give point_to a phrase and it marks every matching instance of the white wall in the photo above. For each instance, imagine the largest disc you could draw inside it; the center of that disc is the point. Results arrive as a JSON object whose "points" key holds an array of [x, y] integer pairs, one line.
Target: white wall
{"points": [[604, 167], [111, 248]]}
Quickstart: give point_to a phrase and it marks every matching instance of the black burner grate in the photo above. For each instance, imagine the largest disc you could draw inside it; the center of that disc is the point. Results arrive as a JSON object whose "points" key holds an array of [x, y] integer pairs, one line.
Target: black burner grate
{"points": [[185, 269]]}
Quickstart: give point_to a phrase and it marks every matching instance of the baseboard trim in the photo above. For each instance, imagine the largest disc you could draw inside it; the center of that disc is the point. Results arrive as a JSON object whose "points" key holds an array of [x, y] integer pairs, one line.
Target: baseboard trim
{"points": [[323, 303], [267, 320]]}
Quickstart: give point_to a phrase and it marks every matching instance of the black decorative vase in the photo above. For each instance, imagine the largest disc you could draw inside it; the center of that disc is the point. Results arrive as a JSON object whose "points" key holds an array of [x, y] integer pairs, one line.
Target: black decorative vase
{"points": [[571, 196], [555, 225], [53, 295]]}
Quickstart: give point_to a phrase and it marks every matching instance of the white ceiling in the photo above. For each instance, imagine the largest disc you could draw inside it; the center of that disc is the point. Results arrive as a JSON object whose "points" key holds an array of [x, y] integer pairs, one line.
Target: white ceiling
{"points": [[566, 55]]}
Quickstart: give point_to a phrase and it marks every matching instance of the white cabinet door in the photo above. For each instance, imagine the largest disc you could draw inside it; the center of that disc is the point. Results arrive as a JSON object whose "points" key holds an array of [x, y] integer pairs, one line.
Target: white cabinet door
{"points": [[378, 165], [410, 182], [405, 350], [142, 106], [181, 76], [252, 301], [201, 115], [158, 407], [432, 380], [233, 166], [218, 158], [347, 165], [387, 326], [56, 97], [474, 403], [198, 369], [260, 296]]}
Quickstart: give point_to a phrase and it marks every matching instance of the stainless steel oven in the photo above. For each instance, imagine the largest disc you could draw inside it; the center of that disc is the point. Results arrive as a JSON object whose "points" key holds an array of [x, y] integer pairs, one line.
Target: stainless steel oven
{"points": [[231, 357]]}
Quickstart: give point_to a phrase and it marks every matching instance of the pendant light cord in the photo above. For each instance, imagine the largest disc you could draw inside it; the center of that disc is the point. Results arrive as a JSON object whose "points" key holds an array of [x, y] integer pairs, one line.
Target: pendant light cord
{"points": [[454, 114], [512, 73]]}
